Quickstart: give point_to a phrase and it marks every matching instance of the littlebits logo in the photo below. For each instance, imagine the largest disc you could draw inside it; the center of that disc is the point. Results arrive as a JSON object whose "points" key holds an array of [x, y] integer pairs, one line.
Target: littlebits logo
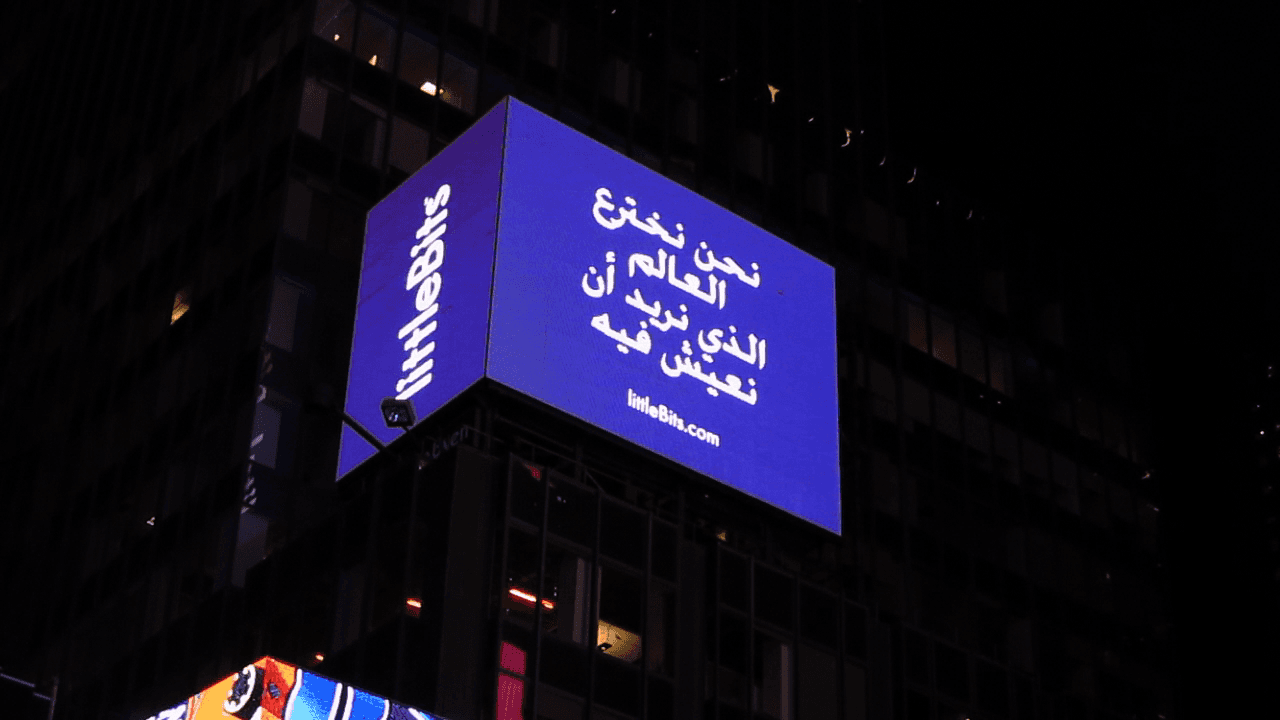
{"points": [[428, 256], [666, 415]]}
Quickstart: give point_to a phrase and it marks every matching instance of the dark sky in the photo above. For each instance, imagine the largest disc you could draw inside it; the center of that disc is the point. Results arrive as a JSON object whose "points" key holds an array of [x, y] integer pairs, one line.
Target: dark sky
{"points": [[1141, 138]]}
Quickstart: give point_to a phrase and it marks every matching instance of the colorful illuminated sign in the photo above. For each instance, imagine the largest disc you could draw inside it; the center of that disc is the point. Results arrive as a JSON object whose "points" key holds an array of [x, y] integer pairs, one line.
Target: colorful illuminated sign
{"points": [[530, 254], [271, 689]]}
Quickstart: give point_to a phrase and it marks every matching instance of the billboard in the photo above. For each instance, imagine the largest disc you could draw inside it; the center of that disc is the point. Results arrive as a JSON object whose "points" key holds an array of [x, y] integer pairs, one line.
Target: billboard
{"points": [[618, 296], [271, 689]]}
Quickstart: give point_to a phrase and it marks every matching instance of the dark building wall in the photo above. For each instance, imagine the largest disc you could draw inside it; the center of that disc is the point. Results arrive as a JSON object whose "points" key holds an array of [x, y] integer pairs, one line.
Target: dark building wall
{"points": [[1001, 558]]}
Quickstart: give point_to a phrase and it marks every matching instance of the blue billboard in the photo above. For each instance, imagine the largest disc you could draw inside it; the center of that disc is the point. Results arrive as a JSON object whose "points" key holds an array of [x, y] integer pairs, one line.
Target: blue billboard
{"points": [[620, 297]]}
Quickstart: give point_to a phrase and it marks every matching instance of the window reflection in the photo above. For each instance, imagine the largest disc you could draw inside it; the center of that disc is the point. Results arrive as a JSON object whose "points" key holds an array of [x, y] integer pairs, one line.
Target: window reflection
{"points": [[410, 145], [366, 131], [376, 44], [335, 22], [419, 63], [458, 84]]}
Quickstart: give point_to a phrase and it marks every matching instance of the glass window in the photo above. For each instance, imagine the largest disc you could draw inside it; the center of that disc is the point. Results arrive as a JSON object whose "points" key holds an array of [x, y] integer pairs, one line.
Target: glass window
{"points": [[1066, 490], [880, 306], [1001, 380], [335, 22], [376, 42], [566, 596], [269, 53], [774, 597], [366, 131], [1034, 460], [1006, 448], [284, 313], [884, 395], [410, 145], [755, 155], [572, 511], [546, 41], [773, 680], [621, 616], [419, 63], [526, 490], [297, 210], [916, 398], [952, 671], [1087, 416], [884, 479], [1112, 429], [520, 591], [855, 692], [661, 630], [623, 534], [947, 416], [510, 704], [917, 327], [944, 340], [973, 360], [685, 119], [977, 431], [458, 84]]}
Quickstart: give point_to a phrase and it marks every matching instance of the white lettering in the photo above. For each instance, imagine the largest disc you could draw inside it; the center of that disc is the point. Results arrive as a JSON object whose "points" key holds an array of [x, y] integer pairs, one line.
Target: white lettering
{"points": [[428, 257]]}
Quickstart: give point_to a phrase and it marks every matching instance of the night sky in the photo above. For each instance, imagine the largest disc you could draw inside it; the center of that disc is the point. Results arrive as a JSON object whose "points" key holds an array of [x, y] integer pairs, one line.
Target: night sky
{"points": [[1142, 140]]}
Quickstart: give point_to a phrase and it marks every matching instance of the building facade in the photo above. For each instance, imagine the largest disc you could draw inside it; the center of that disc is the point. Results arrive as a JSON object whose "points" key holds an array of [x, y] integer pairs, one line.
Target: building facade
{"points": [[187, 188]]}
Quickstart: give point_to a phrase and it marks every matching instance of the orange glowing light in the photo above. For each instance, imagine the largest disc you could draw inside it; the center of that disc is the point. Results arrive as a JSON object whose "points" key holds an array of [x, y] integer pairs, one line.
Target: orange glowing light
{"points": [[528, 598], [413, 603]]}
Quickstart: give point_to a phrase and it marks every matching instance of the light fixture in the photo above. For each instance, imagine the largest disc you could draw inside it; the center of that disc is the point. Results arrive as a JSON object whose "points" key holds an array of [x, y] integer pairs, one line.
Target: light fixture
{"points": [[428, 87], [319, 657], [528, 598], [413, 603], [374, 60], [397, 413], [181, 304]]}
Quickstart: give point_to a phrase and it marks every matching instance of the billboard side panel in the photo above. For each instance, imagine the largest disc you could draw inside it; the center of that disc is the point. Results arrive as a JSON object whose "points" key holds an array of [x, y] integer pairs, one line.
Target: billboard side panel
{"points": [[425, 280]]}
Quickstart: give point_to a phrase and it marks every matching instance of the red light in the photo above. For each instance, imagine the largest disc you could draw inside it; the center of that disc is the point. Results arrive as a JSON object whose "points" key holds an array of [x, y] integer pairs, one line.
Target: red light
{"points": [[513, 658], [527, 598], [510, 698]]}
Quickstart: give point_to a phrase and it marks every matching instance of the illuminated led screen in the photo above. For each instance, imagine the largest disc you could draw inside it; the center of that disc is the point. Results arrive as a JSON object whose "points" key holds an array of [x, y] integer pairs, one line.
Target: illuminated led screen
{"points": [[271, 689], [606, 290]]}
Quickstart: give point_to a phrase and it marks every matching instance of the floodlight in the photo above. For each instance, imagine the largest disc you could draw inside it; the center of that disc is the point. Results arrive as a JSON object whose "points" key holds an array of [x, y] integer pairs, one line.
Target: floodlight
{"points": [[397, 413]]}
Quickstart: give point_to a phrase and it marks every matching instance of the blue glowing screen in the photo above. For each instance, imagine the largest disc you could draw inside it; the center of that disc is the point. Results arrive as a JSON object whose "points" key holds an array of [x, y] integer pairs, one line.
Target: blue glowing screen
{"points": [[622, 298]]}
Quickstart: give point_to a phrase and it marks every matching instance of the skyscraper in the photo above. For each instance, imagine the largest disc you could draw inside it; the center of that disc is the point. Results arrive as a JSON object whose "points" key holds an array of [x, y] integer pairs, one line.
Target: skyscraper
{"points": [[188, 187]]}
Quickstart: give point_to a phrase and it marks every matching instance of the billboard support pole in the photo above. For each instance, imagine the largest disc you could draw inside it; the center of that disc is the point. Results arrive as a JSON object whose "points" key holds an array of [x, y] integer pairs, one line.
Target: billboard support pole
{"points": [[368, 436]]}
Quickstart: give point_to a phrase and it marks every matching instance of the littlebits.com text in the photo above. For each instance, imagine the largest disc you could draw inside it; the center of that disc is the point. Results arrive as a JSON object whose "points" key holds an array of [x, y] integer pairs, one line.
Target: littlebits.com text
{"points": [[669, 417]]}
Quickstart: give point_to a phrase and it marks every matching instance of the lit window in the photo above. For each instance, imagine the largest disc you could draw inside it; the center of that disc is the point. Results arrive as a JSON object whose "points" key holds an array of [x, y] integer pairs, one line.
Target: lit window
{"points": [[335, 22], [458, 83], [181, 300], [419, 63], [615, 641], [510, 704], [377, 39]]}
